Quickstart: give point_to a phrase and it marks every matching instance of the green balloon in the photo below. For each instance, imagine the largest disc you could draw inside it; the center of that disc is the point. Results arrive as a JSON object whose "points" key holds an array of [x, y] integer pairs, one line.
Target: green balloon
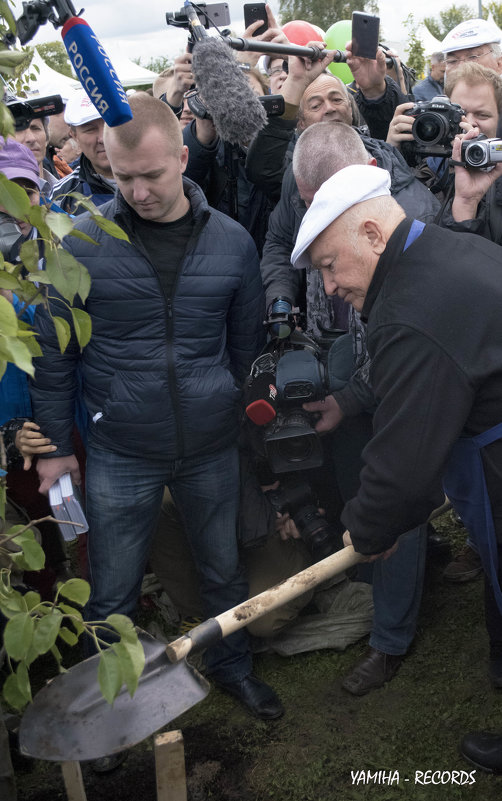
{"points": [[336, 38]]}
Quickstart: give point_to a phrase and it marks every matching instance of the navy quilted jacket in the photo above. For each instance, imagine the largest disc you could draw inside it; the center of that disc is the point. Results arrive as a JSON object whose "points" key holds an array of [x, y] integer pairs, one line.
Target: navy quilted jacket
{"points": [[160, 376]]}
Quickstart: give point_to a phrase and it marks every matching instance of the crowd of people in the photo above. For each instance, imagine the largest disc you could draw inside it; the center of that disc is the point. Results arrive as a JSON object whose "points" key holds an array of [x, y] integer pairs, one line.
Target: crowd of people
{"points": [[384, 255]]}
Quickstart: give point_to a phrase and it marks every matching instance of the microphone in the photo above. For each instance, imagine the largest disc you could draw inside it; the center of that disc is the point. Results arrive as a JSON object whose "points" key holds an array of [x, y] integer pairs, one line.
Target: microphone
{"points": [[95, 72], [236, 111], [260, 398]]}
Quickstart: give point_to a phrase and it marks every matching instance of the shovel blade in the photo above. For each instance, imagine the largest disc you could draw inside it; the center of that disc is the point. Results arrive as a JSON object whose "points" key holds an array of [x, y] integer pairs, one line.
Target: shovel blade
{"points": [[69, 720]]}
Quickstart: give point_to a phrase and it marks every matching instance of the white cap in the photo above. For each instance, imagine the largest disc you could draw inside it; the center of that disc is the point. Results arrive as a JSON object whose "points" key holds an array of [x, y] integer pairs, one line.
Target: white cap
{"points": [[80, 109], [470, 33], [344, 189]]}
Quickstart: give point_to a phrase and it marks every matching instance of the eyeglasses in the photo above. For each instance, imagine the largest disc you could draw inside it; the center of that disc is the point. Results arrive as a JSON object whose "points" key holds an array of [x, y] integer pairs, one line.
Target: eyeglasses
{"points": [[452, 62], [279, 70]]}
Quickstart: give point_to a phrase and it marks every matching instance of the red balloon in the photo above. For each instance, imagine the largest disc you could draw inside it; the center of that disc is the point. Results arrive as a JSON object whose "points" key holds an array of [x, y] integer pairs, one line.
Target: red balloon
{"points": [[301, 33]]}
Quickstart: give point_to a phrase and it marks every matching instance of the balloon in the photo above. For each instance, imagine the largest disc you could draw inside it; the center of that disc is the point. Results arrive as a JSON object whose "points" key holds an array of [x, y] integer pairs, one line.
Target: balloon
{"points": [[336, 38], [320, 32], [301, 33]]}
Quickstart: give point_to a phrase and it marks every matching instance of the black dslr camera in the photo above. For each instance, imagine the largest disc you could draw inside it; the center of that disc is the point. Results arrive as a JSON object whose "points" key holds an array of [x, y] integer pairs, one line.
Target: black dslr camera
{"points": [[436, 123], [24, 111]]}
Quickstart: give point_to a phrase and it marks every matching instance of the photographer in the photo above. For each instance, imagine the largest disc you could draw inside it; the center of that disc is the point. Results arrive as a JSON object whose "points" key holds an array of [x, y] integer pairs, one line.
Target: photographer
{"points": [[472, 199]]}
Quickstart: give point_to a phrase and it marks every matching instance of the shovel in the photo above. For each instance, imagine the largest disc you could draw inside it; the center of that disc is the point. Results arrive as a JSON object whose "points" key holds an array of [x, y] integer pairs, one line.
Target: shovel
{"points": [[69, 720]]}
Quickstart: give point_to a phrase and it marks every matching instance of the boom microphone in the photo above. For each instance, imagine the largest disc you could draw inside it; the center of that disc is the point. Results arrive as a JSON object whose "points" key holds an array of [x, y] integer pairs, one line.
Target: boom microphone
{"points": [[95, 72], [236, 111]]}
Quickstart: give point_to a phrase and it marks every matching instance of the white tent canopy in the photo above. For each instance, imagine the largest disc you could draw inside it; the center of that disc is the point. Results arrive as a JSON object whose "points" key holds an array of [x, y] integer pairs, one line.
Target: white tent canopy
{"points": [[130, 74], [51, 82], [48, 81]]}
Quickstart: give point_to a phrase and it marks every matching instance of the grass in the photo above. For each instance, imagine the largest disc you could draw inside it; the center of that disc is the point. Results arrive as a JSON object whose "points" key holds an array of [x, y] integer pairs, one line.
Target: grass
{"points": [[414, 723]]}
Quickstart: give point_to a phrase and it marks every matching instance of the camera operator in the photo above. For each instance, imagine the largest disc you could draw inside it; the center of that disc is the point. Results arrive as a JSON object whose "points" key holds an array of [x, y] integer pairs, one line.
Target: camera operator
{"points": [[472, 198], [219, 167], [36, 138]]}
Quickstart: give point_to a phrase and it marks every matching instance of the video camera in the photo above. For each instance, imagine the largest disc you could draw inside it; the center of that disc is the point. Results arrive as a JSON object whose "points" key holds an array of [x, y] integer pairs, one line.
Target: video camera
{"points": [[481, 153], [436, 123], [287, 374], [24, 111]]}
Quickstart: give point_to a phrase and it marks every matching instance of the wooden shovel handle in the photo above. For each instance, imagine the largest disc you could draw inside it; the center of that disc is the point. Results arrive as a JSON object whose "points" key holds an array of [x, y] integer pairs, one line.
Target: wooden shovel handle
{"points": [[211, 631]]}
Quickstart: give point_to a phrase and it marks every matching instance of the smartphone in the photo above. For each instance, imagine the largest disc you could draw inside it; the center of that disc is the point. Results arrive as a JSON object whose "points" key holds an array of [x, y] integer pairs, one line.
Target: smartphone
{"points": [[365, 33], [254, 12]]}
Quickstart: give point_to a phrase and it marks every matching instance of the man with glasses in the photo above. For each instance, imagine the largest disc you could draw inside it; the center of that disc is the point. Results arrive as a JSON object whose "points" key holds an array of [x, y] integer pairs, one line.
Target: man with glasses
{"points": [[476, 41]]}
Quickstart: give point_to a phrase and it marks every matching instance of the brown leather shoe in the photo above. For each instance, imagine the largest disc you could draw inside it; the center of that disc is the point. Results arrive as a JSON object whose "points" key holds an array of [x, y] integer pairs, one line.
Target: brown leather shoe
{"points": [[374, 671]]}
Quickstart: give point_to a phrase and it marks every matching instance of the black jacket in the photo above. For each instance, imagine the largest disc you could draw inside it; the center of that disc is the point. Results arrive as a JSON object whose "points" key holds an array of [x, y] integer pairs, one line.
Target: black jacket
{"points": [[435, 341], [161, 376]]}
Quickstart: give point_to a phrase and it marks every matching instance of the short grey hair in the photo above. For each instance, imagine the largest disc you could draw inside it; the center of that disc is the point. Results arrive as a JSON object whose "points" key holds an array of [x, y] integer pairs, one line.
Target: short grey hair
{"points": [[324, 149]]}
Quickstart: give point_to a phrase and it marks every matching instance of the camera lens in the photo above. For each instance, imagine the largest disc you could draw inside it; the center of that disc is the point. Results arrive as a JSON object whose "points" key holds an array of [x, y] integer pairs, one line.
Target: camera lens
{"points": [[475, 155], [295, 449], [429, 128]]}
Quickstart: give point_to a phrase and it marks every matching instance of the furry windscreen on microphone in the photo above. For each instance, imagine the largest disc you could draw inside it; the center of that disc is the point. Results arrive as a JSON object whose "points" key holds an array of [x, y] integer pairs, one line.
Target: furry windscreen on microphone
{"points": [[237, 113]]}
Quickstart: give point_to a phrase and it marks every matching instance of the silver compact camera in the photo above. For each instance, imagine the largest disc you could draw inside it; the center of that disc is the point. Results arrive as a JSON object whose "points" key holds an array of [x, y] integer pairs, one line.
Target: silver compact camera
{"points": [[481, 152]]}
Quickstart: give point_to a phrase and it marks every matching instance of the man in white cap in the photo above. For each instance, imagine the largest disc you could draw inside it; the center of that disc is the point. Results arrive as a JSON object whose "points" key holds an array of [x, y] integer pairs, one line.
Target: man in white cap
{"points": [[436, 371], [93, 176], [474, 40]]}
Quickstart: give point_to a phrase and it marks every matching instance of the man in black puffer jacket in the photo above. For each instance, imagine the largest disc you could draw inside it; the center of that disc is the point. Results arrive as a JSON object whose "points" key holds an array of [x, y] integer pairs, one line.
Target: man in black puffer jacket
{"points": [[177, 320]]}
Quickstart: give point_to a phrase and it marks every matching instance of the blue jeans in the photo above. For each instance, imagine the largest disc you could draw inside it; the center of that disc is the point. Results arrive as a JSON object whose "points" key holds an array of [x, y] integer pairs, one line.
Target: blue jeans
{"points": [[124, 495]]}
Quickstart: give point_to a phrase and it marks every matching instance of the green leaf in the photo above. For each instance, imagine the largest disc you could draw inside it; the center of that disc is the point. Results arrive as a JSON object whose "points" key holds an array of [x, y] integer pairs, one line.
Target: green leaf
{"points": [[60, 224], [23, 680], [123, 626], [76, 590], [8, 319], [6, 12], [39, 277], [32, 557], [84, 237], [3, 367], [83, 326], [18, 635], [7, 127], [13, 198], [56, 653], [132, 662], [46, 631], [30, 255], [8, 281], [32, 599], [13, 693], [37, 217], [68, 636], [75, 617], [68, 276], [63, 332], [83, 201], [13, 604], [109, 675], [16, 351], [109, 227]]}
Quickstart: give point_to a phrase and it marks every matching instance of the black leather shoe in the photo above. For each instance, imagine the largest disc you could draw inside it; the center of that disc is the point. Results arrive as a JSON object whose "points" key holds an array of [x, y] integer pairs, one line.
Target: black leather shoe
{"points": [[257, 697], [374, 671], [483, 749]]}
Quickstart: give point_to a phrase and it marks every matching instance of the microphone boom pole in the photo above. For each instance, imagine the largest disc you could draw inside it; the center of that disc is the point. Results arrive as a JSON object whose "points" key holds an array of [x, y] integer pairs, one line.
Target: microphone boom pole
{"points": [[314, 53]]}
